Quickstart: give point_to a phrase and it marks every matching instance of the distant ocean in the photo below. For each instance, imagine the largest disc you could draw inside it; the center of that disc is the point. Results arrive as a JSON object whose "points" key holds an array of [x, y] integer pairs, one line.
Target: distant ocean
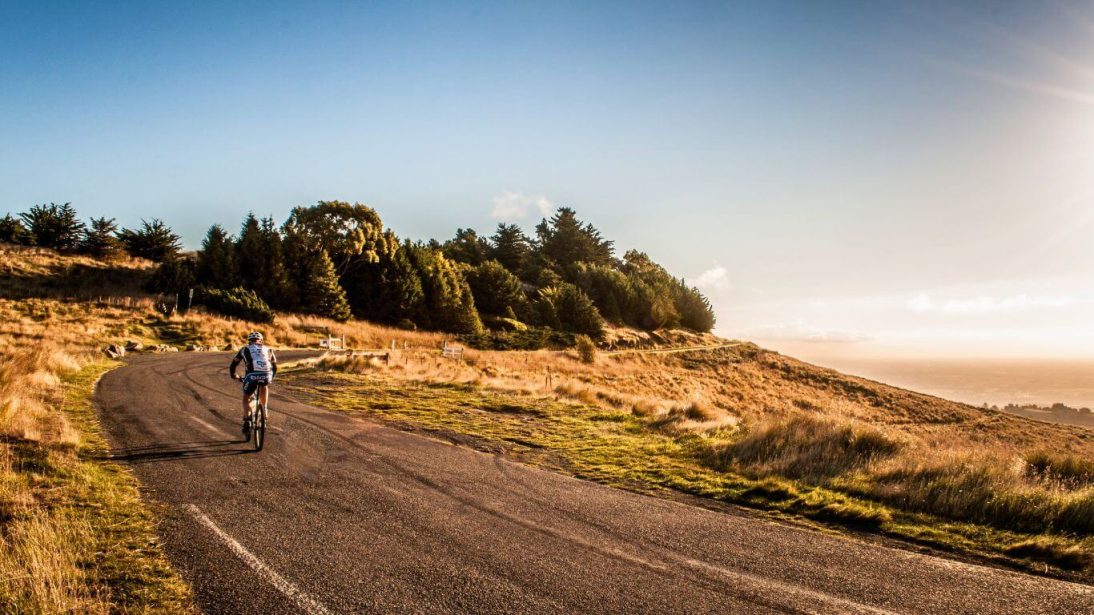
{"points": [[992, 381]]}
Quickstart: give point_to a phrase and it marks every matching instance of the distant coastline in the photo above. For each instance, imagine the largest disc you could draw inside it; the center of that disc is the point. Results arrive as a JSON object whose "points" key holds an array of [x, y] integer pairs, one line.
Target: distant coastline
{"points": [[1055, 390]]}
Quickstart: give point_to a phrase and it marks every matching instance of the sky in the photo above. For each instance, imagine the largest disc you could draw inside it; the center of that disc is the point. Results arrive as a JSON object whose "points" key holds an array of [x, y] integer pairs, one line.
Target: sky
{"points": [[840, 178]]}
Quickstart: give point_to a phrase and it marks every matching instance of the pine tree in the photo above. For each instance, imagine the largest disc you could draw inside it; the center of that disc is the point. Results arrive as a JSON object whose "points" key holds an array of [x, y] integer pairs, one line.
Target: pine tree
{"points": [[320, 292], [249, 249], [216, 263], [273, 282], [13, 231], [54, 226], [510, 247], [569, 309], [565, 240], [99, 238], [448, 304], [154, 241], [467, 247], [388, 291], [496, 291]]}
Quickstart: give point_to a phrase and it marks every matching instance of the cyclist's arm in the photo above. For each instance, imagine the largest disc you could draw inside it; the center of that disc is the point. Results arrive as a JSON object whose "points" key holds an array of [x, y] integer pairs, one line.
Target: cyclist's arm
{"points": [[233, 366], [273, 362]]}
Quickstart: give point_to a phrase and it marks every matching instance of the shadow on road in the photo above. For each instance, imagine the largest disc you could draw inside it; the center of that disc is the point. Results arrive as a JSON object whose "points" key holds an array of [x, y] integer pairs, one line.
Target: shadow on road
{"points": [[179, 450]]}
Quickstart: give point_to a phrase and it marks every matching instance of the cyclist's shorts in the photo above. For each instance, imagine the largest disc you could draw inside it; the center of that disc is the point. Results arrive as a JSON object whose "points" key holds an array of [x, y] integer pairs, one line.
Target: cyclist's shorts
{"points": [[253, 379]]}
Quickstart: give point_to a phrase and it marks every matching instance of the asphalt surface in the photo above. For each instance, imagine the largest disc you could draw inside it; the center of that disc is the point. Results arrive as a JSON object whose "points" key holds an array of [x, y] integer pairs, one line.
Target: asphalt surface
{"points": [[341, 515]]}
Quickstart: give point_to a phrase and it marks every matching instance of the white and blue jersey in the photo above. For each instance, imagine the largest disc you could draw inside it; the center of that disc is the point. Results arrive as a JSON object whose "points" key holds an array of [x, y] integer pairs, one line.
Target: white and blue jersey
{"points": [[261, 364]]}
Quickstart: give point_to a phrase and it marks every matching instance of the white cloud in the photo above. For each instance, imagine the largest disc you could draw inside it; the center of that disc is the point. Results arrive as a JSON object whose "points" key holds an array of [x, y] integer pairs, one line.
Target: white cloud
{"points": [[983, 304], [713, 280], [514, 206]]}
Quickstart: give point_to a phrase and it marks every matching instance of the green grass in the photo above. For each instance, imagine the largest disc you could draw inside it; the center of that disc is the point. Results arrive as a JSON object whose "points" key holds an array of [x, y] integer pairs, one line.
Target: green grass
{"points": [[622, 450], [88, 543]]}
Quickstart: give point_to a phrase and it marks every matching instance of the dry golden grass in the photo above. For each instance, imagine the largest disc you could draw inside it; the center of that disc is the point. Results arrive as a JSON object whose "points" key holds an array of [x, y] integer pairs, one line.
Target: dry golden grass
{"points": [[762, 414]]}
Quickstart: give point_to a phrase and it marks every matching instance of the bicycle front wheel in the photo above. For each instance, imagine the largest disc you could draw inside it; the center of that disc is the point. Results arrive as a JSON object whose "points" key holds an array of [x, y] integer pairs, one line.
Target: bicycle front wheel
{"points": [[259, 428]]}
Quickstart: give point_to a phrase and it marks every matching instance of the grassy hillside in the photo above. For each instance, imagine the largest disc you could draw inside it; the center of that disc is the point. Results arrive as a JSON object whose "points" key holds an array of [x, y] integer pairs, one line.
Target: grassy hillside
{"points": [[742, 424]]}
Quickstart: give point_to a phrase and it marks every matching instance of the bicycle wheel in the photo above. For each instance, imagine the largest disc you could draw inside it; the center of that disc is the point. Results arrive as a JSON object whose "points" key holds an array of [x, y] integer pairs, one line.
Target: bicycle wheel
{"points": [[259, 426]]}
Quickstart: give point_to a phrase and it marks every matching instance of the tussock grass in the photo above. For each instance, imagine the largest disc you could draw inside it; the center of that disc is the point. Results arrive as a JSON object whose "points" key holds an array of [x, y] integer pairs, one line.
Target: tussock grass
{"points": [[1053, 550], [1072, 470], [807, 447]]}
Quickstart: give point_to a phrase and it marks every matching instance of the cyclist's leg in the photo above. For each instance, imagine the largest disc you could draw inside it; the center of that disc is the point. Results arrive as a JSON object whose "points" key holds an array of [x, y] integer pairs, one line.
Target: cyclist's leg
{"points": [[248, 392], [264, 394]]}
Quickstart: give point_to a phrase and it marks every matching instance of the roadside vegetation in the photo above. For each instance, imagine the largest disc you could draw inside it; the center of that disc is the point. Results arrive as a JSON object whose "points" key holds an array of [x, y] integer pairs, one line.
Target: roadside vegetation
{"points": [[744, 425]]}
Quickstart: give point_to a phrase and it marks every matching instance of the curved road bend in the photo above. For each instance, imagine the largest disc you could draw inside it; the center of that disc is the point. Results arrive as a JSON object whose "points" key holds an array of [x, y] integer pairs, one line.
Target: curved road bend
{"points": [[342, 515]]}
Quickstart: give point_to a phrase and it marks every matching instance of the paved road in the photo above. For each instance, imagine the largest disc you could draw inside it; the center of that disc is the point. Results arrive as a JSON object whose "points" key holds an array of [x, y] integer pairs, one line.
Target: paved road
{"points": [[344, 515]]}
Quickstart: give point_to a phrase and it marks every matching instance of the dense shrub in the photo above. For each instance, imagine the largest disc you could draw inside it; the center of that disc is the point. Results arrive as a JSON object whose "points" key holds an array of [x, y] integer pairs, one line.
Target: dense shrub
{"points": [[238, 303], [586, 348]]}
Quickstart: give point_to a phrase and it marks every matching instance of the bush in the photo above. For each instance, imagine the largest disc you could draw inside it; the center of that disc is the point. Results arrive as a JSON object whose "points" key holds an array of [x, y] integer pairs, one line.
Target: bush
{"points": [[238, 303], [586, 348]]}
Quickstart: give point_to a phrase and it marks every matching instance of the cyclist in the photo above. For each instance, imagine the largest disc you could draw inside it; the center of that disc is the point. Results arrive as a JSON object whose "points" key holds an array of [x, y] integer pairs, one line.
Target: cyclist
{"points": [[261, 364]]}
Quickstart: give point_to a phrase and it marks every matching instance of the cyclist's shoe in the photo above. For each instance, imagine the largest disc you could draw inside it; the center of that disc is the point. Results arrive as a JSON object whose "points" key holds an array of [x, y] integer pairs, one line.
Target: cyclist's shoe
{"points": [[247, 426]]}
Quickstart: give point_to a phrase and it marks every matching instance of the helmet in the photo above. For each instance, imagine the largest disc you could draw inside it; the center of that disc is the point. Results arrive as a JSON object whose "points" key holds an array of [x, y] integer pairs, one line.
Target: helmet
{"points": [[254, 336]]}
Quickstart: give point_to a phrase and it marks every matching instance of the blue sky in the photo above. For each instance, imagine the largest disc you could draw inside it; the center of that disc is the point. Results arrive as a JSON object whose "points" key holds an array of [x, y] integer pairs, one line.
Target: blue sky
{"points": [[840, 177]]}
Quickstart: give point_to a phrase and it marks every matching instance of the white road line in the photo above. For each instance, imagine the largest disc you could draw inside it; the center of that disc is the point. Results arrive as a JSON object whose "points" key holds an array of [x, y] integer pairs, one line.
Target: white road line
{"points": [[292, 592]]}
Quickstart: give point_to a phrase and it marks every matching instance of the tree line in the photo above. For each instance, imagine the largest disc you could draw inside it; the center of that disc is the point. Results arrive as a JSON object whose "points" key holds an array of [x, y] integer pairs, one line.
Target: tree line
{"points": [[337, 260]]}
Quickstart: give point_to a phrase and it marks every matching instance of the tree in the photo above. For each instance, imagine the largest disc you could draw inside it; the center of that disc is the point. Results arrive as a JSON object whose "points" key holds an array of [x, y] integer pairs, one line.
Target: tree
{"points": [[216, 262], [569, 309], [54, 226], [496, 291], [510, 247], [447, 301], [13, 231], [610, 290], [344, 231], [174, 276], [388, 291], [154, 241], [320, 292], [273, 284], [565, 240], [249, 250], [695, 310], [99, 238], [467, 247]]}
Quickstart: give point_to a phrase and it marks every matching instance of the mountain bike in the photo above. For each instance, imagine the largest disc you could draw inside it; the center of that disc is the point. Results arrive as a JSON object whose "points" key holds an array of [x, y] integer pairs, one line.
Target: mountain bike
{"points": [[259, 414]]}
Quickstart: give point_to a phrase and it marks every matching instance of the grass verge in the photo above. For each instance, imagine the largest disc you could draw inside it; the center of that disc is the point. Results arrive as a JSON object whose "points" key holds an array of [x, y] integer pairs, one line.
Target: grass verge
{"points": [[75, 535], [619, 448]]}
